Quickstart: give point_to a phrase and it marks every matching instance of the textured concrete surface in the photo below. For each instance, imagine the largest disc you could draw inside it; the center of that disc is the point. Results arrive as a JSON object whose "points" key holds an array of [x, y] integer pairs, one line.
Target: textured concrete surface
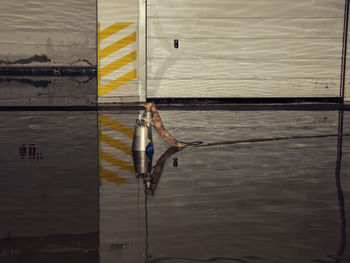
{"points": [[61, 32]]}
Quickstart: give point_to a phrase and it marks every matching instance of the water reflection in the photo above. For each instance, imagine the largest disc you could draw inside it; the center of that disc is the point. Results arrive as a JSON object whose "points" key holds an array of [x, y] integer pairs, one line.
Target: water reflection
{"points": [[53, 248], [151, 180], [255, 202], [88, 199], [48, 187], [342, 244], [152, 177], [114, 150]]}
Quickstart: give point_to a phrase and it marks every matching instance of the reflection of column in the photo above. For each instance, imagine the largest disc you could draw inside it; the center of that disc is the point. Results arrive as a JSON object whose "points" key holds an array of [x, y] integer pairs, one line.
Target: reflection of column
{"points": [[147, 257], [51, 94], [118, 193], [114, 150]]}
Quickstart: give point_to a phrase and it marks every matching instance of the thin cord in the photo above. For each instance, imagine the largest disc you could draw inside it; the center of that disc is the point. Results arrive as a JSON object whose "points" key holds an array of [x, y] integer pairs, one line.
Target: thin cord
{"points": [[344, 50], [339, 188], [146, 49], [274, 139], [192, 143], [146, 223]]}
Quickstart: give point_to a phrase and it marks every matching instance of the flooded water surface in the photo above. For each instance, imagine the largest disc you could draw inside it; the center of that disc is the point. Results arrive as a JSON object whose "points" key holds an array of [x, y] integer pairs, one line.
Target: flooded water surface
{"points": [[70, 191]]}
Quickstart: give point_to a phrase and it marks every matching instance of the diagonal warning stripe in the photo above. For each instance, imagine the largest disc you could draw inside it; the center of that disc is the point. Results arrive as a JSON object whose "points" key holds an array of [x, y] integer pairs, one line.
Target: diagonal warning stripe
{"points": [[117, 83], [116, 126], [117, 162], [116, 27], [113, 63], [118, 64], [112, 177], [116, 144], [98, 57], [118, 45]]}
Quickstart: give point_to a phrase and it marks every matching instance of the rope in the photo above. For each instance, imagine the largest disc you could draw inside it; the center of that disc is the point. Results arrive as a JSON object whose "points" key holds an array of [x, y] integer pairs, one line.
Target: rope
{"points": [[195, 143], [274, 139]]}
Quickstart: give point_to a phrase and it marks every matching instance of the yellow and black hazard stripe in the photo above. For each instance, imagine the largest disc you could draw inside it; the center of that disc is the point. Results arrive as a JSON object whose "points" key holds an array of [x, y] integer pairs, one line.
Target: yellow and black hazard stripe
{"points": [[112, 66]]}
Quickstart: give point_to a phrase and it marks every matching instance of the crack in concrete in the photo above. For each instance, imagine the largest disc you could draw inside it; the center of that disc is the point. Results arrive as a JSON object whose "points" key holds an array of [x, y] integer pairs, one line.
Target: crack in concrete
{"points": [[81, 60]]}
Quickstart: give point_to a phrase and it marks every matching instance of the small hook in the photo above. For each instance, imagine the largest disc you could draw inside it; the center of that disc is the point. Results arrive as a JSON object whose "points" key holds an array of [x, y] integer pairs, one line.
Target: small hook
{"points": [[176, 43], [175, 163]]}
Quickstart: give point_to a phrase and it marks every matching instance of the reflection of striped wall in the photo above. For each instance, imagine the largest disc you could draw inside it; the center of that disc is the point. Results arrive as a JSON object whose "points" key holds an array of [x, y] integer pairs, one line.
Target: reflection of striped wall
{"points": [[117, 60], [115, 154]]}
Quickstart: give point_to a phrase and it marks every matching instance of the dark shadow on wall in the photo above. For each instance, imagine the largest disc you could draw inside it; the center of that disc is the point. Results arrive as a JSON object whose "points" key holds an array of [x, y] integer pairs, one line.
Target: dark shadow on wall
{"points": [[40, 83], [35, 58], [48, 70]]}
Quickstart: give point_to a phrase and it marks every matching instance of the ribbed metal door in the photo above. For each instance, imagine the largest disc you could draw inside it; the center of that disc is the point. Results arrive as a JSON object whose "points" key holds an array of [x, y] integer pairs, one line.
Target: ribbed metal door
{"points": [[239, 48]]}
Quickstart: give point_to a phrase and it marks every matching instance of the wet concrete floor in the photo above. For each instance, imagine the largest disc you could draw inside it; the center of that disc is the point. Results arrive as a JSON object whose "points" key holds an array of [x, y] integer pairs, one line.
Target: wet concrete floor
{"points": [[70, 193]]}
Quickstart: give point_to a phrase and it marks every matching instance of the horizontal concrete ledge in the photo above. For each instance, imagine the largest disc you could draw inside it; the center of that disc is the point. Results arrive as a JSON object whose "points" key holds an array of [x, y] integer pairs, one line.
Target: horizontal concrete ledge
{"points": [[73, 108], [48, 71], [211, 107], [48, 108], [208, 101], [251, 104], [259, 107]]}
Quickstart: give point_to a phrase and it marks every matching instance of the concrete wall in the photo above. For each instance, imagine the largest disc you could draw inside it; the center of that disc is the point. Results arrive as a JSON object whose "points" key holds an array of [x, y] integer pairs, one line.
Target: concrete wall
{"points": [[61, 32], [47, 33]]}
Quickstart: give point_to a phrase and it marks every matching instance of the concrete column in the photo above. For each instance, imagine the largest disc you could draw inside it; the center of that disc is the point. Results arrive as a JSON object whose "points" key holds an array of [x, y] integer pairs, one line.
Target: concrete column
{"points": [[118, 51]]}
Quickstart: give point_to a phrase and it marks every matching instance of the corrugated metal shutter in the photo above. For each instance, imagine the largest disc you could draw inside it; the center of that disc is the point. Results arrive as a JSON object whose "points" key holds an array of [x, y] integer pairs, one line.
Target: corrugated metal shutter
{"points": [[239, 48]]}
